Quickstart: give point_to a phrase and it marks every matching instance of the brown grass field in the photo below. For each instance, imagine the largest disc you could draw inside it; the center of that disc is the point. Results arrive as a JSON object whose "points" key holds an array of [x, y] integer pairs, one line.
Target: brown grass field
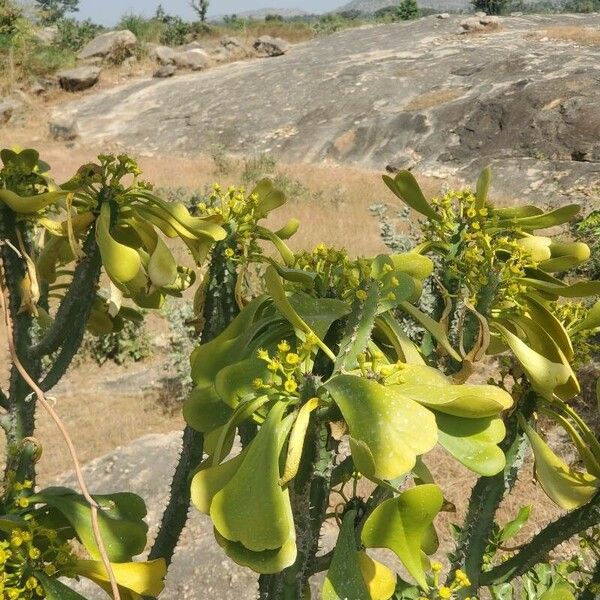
{"points": [[583, 36]]}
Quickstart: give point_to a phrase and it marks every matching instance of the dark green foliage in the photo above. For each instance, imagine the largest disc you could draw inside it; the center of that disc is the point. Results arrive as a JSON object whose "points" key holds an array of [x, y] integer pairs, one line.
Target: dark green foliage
{"points": [[74, 35], [53, 10], [201, 8], [131, 344], [492, 7], [9, 16], [404, 11]]}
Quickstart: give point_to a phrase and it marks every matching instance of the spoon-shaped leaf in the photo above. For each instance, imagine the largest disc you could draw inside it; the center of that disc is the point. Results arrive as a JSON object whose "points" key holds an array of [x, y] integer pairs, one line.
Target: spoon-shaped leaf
{"points": [[483, 187], [474, 442], [405, 186], [204, 410], [401, 523], [253, 508], [388, 431], [562, 484]]}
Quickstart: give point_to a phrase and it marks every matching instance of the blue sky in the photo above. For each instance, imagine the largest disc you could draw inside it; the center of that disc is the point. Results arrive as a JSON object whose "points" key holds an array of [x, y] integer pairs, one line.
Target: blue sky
{"points": [[108, 12]]}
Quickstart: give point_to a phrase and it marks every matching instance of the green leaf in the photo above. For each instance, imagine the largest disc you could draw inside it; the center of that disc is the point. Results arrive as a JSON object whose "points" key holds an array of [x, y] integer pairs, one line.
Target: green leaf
{"points": [[550, 219], [120, 518], [483, 187], [560, 591], [405, 186], [591, 320], [55, 589], [474, 442], [436, 330], [284, 306], [580, 289], [513, 527], [253, 508], [566, 487], [29, 205], [406, 350], [388, 431], [400, 524], [318, 313], [236, 381], [204, 410], [269, 198], [344, 579]]}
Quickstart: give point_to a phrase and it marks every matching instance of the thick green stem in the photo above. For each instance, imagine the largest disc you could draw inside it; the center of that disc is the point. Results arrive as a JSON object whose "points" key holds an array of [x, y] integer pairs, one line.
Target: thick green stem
{"points": [[72, 314], [537, 549], [19, 421], [220, 309], [486, 496]]}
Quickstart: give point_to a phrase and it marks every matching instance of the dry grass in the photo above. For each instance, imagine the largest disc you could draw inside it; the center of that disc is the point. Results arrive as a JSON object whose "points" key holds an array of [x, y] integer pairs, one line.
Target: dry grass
{"points": [[582, 36], [434, 98]]}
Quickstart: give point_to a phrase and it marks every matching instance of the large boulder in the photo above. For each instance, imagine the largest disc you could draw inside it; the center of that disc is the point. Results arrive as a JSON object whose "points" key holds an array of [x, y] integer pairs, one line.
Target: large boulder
{"points": [[165, 71], [78, 79], [163, 54], [480, 24], [111, 45], [63, 127], [196, 60], [271, 46]]}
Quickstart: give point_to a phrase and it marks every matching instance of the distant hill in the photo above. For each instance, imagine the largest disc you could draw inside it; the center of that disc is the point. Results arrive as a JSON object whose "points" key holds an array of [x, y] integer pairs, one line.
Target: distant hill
{"points": [[261, 13], [370, 6]]}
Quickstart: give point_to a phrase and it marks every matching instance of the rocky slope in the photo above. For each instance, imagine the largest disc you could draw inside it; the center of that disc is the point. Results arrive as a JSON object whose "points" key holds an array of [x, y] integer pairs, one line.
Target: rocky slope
{"points": [[417, 94]]}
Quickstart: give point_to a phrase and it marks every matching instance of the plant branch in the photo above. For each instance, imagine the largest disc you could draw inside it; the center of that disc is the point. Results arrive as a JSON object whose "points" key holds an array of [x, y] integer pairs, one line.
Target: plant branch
{"points": [[65, 435], [538, 548]]}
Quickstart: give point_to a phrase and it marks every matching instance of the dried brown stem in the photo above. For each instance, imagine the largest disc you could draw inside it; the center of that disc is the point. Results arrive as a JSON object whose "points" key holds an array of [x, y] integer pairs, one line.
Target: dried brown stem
{"points": [[67, 438]]}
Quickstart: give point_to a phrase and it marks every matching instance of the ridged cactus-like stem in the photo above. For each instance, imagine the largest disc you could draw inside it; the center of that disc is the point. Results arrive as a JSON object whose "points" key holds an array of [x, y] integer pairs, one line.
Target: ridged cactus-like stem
{"points": [[220, 309]]}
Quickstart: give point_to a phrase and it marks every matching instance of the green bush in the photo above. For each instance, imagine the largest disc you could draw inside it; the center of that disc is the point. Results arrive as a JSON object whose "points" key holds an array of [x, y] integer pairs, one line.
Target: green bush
{"points": [[43, 60], [146, 30], [131, 344], [74, 34]]}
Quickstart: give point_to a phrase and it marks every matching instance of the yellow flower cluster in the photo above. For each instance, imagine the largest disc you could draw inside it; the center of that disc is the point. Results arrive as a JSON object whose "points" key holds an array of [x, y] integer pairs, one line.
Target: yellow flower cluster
{"points": [[27, 550], [480, 253], [440, 591], [285, 367]]}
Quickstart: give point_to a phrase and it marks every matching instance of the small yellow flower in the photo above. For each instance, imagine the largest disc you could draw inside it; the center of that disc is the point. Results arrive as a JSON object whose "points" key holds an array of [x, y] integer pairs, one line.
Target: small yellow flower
{"points": [[475, 225], [483, 212], [292, 359], [445, 592], [290, 386], [361, 295], [229, 252], [23, 502], [258, 383], [471, 213], [436, 566], [283, 346], [274, 366], [263, 354]]}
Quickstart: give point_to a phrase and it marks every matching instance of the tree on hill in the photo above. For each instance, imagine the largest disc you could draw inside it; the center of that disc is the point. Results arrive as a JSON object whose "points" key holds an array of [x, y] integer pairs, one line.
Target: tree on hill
{"points": [[201, 8], [405, 11], [53, 10], [492, 7]]}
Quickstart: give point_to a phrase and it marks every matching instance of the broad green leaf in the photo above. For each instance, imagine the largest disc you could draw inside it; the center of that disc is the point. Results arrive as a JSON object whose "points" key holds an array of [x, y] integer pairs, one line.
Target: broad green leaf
{"points": [[305, 278], [401, 523], [318, 313], [237, 380], [143, 578], [29, 205], [483, 187], [286, 254], [416, 265], [266, 561], [288, 230], [565, 256], [209, 480], [269, 197], [555, 217], [544, 375], [55, 589], [473, 442], [162, 268], [253, 508], [381, 581], [430, 387], [538, 247], [560, 591], [555, 329], [436, 330], [344, 579], [204, 410], [405, 186], [516, 212], [576, 290], [122, 263], [120, 518], [284, 306], [296, 441], [566, 487], [513, 527], [388, 431]]}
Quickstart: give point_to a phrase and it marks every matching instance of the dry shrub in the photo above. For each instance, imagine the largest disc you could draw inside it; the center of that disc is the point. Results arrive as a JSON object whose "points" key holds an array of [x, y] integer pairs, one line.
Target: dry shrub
{"points": [[583, 36]]}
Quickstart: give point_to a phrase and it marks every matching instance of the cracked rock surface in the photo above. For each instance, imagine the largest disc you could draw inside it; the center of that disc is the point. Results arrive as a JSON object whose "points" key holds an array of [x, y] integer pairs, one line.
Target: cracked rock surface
{"points": [[420, 92]]}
